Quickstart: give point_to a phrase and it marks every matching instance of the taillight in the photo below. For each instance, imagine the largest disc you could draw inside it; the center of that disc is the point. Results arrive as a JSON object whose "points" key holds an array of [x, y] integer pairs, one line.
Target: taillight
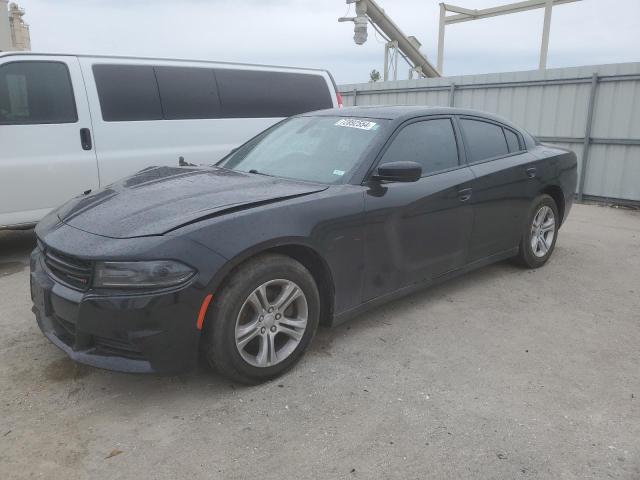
{"points": [[339, 98]]}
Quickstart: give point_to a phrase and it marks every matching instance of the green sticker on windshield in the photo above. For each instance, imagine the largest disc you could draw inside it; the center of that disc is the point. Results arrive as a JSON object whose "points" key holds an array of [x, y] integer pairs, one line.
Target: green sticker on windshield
{"points": [[356, 123]]}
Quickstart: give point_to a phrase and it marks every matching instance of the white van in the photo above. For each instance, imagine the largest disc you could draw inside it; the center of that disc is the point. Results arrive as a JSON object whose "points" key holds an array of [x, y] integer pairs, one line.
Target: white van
{"points": [[72, 123]]}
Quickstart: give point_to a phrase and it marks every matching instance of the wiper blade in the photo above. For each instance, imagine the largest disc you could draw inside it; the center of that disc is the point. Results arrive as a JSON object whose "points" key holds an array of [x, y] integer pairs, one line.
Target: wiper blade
{"points": [[253, 170]]}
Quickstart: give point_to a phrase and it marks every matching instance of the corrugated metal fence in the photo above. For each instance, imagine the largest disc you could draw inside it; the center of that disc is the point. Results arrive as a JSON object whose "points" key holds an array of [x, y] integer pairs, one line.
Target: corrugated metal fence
{"points": [[594, 110]]}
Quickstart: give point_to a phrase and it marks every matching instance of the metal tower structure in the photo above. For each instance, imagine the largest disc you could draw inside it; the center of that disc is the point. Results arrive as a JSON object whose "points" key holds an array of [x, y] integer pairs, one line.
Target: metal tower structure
{"points": [[467, 15]]}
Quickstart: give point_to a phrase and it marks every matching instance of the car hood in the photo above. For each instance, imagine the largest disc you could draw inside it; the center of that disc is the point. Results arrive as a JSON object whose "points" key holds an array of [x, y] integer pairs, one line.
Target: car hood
{"points": [[160, 199]]}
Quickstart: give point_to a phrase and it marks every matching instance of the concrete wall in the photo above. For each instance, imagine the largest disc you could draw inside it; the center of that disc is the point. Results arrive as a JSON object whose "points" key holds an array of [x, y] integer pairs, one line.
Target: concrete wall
{"points": [[20, 36], [553, 105], [5, 30]]}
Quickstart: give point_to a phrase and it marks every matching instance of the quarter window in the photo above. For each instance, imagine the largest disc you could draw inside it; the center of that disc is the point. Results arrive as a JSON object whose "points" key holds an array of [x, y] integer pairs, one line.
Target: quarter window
{"points": [[430, 143], [483, 140], [36, 93], [127, 92], [512, 140]]}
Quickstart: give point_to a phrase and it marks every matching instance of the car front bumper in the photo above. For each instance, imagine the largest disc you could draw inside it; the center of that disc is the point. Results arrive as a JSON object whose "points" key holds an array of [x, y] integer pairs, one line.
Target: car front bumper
{"points": [[128, 331], [153, 332]]}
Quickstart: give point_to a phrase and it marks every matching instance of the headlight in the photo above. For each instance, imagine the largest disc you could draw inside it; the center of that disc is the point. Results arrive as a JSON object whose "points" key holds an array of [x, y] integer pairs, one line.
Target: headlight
{"points": [[155, 274]]}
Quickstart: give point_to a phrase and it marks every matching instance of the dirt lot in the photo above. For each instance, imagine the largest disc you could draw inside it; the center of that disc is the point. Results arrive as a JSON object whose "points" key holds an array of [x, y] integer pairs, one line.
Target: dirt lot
{"points": [[504, 373]]}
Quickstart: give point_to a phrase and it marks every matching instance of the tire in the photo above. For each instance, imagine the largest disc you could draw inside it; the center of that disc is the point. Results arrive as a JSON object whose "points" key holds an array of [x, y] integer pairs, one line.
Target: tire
{"points": [[531, 256], [237, 339]]}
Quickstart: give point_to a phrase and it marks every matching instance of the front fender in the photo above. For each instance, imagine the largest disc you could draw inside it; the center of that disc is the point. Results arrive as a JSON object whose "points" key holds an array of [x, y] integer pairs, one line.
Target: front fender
{"points": [[331, 223]]}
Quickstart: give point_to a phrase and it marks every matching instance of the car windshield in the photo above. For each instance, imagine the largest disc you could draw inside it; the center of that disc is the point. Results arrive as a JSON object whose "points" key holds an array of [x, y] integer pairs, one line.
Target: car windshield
{"points": [[316, 149]]}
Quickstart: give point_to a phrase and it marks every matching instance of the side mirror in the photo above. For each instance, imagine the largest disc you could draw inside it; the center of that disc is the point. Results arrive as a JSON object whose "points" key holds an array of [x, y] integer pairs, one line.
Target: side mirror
{"points": [[398, 172]]}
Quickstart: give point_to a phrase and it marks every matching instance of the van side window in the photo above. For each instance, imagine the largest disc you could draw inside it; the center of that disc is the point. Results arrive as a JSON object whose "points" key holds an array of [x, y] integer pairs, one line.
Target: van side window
{"points": [[147, 92], [483, 140], [512, 140], [127, 92], [188, 92], [430, 143], [34, 92], [263, 94]]}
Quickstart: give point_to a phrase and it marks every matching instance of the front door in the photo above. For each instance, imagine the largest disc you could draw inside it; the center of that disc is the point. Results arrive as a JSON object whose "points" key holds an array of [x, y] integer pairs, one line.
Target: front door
{"points": [[418, 231], [46, 149]]}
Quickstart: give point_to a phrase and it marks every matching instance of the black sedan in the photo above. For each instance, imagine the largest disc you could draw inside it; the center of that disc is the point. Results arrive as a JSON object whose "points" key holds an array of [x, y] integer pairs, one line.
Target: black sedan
{"points": [[318, 218]]}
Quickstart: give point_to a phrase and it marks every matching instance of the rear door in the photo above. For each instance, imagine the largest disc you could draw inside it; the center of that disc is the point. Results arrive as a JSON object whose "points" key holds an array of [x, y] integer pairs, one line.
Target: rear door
{"points": [[503, 188], [420, 230], [46, 149]]}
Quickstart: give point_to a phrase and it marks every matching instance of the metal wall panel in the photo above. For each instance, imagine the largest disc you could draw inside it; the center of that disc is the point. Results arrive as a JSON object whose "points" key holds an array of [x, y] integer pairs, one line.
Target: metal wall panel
{"points": [[553, 105]]}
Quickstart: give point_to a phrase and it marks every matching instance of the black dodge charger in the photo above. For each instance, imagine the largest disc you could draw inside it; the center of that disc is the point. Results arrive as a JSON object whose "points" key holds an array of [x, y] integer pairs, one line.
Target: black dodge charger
{"points": [[318, 218]]}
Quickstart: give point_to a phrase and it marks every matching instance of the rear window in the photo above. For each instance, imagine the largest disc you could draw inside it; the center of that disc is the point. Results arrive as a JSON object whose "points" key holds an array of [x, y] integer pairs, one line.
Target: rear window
{"points": [[127, 92], [483, 140], [252, 93], [36, 93]]}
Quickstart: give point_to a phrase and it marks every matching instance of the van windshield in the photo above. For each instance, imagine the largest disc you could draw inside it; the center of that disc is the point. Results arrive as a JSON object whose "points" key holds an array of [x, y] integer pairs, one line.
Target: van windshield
{"points": [[316, 149]]}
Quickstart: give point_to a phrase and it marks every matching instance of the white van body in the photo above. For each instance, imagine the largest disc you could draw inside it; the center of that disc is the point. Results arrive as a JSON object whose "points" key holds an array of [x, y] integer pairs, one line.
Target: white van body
{"points": [[72, 123]]}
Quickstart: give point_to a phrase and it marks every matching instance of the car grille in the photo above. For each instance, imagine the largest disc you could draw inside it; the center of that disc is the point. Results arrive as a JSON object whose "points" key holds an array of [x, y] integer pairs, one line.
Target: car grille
{"points": [[71, 271], [65, 330], [119, 348]]}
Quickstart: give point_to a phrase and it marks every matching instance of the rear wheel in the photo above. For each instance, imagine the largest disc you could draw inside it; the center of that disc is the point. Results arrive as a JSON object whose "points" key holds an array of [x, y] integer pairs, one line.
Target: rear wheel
{"points": [[262, 320], [540, 233]]}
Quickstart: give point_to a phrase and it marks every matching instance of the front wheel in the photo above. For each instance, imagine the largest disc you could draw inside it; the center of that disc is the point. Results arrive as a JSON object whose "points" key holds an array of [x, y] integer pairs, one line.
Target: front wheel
{"points": [[262, 320], [540, 233]]}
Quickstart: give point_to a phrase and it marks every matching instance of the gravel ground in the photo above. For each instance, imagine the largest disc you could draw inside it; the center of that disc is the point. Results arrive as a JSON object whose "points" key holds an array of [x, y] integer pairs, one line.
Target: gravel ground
{"points": [[503, 373]]}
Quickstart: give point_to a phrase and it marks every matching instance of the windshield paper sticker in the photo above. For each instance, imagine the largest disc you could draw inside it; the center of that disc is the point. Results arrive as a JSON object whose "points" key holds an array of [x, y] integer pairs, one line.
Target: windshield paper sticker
{"points": [[355, 123], [338, 172]]}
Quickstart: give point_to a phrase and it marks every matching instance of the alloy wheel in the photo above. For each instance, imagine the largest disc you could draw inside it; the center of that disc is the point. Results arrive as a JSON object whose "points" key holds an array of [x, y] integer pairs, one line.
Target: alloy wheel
{"points": [[271, 323], [543, 230]]}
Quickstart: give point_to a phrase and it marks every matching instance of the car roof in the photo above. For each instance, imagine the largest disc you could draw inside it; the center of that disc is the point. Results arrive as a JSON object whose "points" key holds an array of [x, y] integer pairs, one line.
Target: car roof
{"points": [[404, 112]]}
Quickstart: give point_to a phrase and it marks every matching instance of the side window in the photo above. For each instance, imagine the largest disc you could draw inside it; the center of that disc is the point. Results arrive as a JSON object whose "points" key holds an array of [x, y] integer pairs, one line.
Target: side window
{"points": [[253, 93], [483, 139], [188, 92], [431, 143], [512, 140], [36, 93], [127, 92]]}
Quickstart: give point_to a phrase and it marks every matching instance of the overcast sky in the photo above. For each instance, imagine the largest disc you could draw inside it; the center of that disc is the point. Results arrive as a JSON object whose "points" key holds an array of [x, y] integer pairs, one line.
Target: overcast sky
{"points": [[306, 33]]}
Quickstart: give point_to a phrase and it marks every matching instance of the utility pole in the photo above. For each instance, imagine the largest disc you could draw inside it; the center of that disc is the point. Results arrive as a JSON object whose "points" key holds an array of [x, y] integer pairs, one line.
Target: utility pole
{"points": [[443, 14], [546, 27]]}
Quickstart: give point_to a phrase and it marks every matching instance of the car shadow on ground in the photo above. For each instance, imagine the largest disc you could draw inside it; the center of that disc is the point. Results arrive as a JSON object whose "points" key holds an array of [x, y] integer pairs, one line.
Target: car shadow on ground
{"points": [[15, 247]]}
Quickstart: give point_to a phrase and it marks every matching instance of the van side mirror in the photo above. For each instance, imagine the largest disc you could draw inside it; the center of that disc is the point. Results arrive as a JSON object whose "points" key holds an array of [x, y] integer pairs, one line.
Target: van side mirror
{"points": [[398, 172]]}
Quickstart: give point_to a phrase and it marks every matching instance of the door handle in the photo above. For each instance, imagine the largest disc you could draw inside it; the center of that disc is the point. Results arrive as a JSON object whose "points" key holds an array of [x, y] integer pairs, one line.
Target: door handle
{"points": [[85, 139], [531, 172], [465, 194]]}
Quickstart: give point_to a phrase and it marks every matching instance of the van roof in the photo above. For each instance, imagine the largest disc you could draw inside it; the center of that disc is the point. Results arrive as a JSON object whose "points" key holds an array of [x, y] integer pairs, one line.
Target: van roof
{"points": [[126, 57]]}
